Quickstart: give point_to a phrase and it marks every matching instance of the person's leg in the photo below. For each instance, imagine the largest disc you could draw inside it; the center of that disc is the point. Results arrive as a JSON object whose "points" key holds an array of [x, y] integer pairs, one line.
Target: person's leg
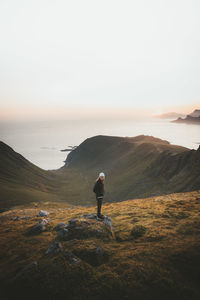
{"points": [[99, 204]]}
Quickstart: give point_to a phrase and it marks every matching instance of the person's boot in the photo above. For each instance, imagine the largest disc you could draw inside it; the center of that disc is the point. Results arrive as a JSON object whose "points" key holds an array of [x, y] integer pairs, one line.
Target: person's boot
{"points": [[101, 216]]}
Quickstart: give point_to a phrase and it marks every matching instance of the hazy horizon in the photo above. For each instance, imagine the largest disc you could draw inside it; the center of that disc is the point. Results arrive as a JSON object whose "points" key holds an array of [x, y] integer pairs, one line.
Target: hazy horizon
{"points": [[72, 113], [41, 142]]}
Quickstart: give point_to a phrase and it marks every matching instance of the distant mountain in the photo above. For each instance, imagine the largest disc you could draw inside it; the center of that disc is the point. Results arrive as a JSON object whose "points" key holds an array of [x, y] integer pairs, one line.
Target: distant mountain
{"points": [[193, 118], [169, 115], [195, 113], [135, 167]]}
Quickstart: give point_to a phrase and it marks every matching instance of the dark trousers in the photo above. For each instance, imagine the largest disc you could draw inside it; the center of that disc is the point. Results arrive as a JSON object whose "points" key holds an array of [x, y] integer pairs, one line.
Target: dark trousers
{"points": [[99, 204]]}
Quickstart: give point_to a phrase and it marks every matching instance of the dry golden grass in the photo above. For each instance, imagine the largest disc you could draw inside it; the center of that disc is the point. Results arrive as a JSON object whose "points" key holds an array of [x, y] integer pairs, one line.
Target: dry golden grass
{"points": [[155, 255]]}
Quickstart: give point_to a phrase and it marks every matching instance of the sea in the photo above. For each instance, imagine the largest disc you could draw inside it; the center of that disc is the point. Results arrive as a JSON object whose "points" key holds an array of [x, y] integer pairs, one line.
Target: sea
{"points": [[41, 142]]}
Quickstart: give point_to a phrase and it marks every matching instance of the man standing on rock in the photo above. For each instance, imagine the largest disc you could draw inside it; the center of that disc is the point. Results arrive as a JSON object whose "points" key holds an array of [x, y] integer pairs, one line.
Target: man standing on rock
{"points": [[98, 189]]}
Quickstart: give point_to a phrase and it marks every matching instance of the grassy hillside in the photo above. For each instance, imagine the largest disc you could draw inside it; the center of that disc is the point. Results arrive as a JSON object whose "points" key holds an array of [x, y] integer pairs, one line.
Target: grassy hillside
{"points": [[21, 181], [139, 166], [154, 253], [135, 167]]}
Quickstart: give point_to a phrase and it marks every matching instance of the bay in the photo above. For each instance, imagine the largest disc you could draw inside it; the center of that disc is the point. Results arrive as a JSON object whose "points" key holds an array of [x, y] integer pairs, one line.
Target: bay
{"points": [[41, 141]]}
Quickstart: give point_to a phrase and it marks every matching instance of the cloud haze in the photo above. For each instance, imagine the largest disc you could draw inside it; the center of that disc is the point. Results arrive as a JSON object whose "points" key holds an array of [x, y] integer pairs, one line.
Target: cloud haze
{"points": [[91, 56]]}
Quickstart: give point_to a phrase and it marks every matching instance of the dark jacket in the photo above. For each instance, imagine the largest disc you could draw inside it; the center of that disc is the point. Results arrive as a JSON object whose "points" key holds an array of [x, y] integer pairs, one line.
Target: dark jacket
{"points": [[98, 188]]}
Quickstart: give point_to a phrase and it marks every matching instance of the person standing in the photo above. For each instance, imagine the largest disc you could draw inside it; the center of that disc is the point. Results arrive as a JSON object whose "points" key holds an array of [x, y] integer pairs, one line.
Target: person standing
{"points": [[98, 189]]}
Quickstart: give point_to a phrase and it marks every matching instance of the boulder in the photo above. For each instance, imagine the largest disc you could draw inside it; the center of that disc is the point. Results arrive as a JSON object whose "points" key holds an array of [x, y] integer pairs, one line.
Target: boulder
{"points": [[17, 218], [55, 247], [72, 258], [90, 216], [87, 226], [99, 250], [72, 221], [39, 227], [106, 219], [26, 217], [43, 213], [63, 233], [60, 226]]}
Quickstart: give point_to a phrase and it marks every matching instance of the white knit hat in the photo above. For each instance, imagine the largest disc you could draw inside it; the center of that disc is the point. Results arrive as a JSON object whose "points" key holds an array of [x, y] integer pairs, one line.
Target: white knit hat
{"points": [[101, 174]]}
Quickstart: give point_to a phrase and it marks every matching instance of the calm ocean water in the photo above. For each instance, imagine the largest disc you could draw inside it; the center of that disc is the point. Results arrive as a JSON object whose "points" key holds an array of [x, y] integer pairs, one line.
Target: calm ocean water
{"points": [[41, 142]]}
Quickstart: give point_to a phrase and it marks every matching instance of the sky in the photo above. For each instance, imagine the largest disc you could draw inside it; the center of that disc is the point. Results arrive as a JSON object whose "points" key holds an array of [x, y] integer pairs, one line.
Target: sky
{"points": [[78, 58]]}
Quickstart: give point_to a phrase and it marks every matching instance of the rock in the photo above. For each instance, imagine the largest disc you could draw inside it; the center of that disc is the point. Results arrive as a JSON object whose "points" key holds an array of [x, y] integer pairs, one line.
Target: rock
{"points": [[43, 213], [63, 233], [79, 228], [106, 219], [16, 218], [84, 222], [55, 247], [44, 221], [25, 217], [72, 221], [60, 226], [72, 258], [39, 227], [91, 216], [99, 251]]}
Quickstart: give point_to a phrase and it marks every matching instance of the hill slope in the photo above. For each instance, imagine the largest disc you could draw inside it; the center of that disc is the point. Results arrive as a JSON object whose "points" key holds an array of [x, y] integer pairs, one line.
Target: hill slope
{"points": [[21, 181], [153, 255], [139, 166], [135, 167]]}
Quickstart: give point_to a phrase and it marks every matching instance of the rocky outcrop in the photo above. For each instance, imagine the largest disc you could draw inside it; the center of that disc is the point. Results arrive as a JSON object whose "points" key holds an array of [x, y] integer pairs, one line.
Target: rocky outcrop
{"points": [[17, 218], [87, 226], [72, 258], [195, 113], [43, 213], [55, 247], [39, 227], [193, 118]]}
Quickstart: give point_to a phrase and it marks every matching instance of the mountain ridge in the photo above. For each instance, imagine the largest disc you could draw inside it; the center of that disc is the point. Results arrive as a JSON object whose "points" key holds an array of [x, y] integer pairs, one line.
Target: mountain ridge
{"points": [[135, 158], [139, 166], [192, 118]]}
